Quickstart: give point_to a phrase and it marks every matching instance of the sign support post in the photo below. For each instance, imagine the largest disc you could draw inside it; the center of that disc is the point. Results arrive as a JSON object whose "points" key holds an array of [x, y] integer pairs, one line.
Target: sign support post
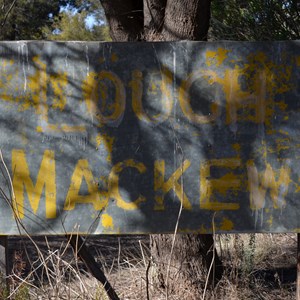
{"points": [[4, 263], [82, 251], [298, 267]]}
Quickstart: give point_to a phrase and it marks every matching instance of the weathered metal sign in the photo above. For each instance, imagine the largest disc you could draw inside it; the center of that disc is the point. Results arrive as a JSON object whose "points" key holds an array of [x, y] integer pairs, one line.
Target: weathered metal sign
{"points": [[134, 137]]}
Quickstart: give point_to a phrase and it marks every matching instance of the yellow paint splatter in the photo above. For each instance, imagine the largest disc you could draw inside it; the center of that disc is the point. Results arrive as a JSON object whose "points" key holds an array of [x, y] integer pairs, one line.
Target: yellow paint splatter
{"points": [[236, 147], [226, 225], [114, 57], [278, 76], [270, 221], [107, 221], [216, 57]]}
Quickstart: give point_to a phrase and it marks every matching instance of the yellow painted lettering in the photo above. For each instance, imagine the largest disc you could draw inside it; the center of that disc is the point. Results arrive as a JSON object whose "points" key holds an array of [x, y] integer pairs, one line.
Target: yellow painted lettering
{"points": [[58, 82], [7, 75], [38, 86], [113, 184], [185, 102], [82, 171], [137, 95], [276, 182], [222, 185], [162, 187], [107, 142], [95, 88], [45, 180], [241, 105]]}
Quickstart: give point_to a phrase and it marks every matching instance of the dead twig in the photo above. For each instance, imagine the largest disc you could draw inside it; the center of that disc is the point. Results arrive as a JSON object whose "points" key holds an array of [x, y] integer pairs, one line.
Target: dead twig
{"points": [[8, 12], [213, 257]]}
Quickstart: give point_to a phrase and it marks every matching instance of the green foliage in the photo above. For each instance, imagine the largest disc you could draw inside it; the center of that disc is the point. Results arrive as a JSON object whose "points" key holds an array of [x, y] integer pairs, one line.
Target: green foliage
{"points": [[44, 19], [248, 258], [255, 20], [71, 26], [4, 292], [26, 19], [22, 293], [93, 8]]}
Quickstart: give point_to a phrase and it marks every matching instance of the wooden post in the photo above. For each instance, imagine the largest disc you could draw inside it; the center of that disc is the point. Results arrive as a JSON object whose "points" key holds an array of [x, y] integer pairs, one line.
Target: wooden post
{"points": [[4, 255], [81, 250], [298, 267], [4, 263]]}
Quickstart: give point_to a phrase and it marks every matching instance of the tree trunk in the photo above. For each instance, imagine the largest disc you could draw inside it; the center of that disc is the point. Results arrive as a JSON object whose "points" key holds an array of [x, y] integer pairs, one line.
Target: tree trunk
{"points": [[186, 20], [185, 266], [170, 20], [154, 14], [125, 19]]}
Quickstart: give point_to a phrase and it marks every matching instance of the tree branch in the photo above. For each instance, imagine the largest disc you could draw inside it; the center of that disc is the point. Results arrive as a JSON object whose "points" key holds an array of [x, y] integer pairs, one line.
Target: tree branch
{"points": [[154, 14], [8, 12]]}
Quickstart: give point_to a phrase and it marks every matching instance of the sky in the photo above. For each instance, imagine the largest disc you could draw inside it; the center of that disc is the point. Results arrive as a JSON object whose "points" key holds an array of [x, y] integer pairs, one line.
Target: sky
{"points": [[90, 21]]}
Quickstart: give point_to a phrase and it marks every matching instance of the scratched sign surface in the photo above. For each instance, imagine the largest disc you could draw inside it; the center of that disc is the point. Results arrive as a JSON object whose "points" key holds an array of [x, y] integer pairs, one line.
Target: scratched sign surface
{"points": [[133, 137]]}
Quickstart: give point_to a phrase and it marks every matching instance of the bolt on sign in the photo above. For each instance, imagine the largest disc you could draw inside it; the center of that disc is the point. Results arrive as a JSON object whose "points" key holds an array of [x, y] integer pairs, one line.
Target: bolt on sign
{"points": [[111, 138]]}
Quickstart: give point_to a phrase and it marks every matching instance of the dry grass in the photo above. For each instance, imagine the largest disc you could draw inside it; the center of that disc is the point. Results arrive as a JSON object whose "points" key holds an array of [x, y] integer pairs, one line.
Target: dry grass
{"points": [[54, 277], [256, 267]]}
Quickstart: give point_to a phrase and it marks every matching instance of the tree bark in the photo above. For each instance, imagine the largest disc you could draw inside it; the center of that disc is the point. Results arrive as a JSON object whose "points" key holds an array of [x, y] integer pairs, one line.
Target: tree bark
{"points": [[186, 264], [170, 20], [186, 20], [125, 19], [154, 14]]}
